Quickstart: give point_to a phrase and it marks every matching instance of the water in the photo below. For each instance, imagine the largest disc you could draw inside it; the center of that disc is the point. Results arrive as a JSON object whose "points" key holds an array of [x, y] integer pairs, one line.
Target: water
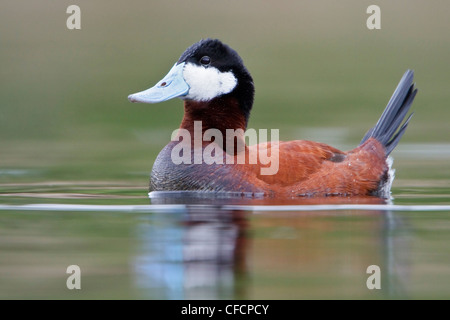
{"points": [[186, 246]]}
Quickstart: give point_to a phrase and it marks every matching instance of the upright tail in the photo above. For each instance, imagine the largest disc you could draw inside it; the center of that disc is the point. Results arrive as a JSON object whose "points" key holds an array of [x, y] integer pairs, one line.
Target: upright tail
{"points": [[387, 129]]}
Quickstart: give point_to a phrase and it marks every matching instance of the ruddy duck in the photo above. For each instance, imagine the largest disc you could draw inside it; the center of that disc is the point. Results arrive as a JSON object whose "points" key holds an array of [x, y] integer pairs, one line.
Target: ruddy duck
{"points": [[218, 93]]}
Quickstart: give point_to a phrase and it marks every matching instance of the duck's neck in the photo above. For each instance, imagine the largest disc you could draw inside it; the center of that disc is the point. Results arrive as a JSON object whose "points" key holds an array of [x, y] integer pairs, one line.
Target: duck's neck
{"points": [[219, 113]]}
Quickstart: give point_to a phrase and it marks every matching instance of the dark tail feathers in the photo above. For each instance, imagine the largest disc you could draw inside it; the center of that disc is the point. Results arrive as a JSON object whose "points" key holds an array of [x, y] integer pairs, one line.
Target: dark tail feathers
{"points": [[387, 129]]}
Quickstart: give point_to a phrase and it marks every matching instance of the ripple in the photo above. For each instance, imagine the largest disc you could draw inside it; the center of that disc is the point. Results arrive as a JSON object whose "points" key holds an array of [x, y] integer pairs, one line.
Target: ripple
{"points": [[251, 208]]}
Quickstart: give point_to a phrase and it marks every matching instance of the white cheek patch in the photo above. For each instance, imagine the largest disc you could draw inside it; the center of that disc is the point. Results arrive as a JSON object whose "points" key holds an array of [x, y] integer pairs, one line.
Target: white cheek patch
{"points": [[207, 83]]}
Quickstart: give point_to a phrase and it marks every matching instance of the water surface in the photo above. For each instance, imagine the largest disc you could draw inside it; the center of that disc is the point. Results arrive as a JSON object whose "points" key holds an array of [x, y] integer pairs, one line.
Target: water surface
{"points": [[194, 247]]}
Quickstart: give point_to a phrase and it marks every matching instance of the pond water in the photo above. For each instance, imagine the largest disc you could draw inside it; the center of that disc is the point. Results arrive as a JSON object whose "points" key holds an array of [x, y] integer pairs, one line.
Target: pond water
{"points": [[190, 246]]}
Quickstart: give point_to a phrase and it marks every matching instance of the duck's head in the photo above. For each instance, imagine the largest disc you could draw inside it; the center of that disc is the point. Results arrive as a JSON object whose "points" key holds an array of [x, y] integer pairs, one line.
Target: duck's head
{"points": [[206, 74]]}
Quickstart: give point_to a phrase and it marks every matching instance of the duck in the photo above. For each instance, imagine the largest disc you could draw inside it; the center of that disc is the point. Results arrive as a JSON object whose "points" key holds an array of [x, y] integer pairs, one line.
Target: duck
{"points": [[218, 92]]}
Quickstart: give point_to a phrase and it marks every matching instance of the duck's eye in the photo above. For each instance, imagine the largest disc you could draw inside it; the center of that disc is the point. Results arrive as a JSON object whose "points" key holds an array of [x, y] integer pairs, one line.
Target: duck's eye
{"points": [[205, 60]]}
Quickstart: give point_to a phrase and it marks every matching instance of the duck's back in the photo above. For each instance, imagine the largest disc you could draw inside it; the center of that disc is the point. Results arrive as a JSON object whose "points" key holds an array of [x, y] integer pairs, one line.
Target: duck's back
{"points": [[304, 168]]}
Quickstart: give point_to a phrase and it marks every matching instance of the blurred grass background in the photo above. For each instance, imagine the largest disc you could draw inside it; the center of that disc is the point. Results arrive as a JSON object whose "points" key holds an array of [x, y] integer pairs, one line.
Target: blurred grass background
{"points": [[320, 74]]}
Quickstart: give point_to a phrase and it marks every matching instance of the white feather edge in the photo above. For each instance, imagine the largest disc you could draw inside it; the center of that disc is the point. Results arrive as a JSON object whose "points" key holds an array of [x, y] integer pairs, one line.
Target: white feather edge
{"points": [[385, 190]]}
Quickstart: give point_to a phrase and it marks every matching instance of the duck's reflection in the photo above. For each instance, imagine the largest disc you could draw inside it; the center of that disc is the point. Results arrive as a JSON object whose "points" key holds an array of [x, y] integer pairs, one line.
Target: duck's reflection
{"points": [[198, 254], [204, 252], [213, 252], [396, 254]]}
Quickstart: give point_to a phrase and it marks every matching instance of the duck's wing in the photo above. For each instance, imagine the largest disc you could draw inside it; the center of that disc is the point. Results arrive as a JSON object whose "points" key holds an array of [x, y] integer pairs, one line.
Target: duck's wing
{"points": [[293, 161], [311, 168]]}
